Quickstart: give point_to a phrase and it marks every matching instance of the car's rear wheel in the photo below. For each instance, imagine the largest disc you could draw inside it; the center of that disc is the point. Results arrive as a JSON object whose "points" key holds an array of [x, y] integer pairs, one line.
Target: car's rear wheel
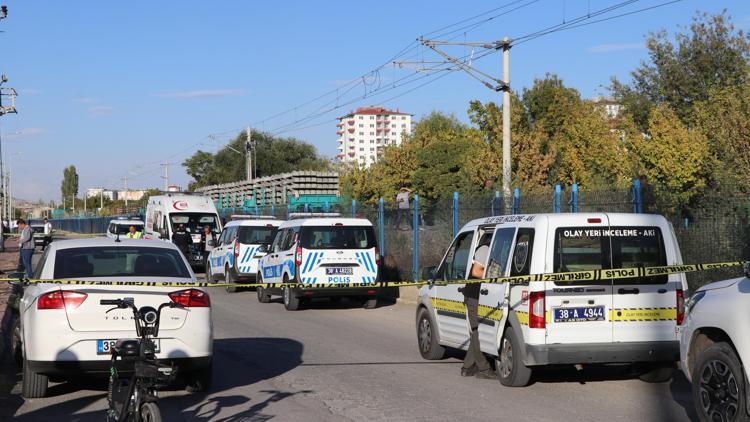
{"points": [[199, 381], [510, 368], [719, 385], [427, 340], [34, 385], [230, 279], [209, 273], [291, 301]]}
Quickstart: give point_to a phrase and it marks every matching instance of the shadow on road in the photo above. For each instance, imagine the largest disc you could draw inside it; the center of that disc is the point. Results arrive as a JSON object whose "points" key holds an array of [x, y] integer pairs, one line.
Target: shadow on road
{"points": [[342, 303], [238, 362]]}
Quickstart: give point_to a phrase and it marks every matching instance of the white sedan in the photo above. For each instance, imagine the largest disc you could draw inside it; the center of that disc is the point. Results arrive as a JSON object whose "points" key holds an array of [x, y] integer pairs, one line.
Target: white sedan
{"points": [[63, 329], [715, 349]]}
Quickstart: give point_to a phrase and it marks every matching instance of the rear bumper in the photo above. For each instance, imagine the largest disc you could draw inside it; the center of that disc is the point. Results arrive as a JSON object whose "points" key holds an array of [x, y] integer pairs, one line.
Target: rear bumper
{"points": [[653, 351], [102, 366], [364, 291]]}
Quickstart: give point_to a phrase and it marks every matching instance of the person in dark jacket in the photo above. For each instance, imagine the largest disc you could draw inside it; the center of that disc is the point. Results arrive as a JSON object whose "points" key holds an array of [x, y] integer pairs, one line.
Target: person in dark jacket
{"points": [[182, 240]]}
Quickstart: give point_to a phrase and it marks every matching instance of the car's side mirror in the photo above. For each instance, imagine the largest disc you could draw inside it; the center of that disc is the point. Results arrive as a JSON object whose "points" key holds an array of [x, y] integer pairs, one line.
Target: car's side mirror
{"points": [[263, 249], [211, 242], [428, 273]]}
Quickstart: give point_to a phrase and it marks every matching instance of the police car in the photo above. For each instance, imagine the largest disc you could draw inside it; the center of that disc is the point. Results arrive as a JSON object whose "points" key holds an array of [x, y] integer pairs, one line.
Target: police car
{"points": [[329, 250], [236, 252], [565, 321]]}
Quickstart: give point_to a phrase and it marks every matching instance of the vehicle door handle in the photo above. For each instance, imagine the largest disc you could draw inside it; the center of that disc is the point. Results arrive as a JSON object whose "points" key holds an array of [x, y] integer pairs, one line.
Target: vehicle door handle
{"points": [[484, 292], [628, 291]]}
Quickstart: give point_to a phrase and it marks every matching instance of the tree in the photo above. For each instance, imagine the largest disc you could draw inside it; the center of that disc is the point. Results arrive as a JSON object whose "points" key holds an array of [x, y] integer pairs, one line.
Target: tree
{"points": [[675, 159], [681, 73], [272, 156], [69, 187]]}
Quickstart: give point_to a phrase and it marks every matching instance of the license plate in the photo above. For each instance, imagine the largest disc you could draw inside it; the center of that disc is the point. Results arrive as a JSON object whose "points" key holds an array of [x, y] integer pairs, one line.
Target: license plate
{"points": [[339, 271], [104, 347], [588, 313]]}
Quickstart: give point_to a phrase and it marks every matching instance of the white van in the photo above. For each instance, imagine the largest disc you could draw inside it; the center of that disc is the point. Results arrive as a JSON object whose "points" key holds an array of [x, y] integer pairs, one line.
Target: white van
{"points": [[570, 321], [121, 227], [321, 250], [164, 213], [236, 252]]}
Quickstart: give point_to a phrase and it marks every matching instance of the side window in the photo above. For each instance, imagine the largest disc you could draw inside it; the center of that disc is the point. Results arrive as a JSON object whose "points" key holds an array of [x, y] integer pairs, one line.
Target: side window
{"points": [[221, 237], [112, 229], [288, 241], [522, 252], [157, 222], [456, 261], [231, 235], [501, 247], [278, 239], [40, 265]]}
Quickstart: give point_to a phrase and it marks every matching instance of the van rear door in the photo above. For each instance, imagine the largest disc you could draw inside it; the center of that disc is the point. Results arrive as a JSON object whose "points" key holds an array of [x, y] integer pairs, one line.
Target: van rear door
{"points": [[578, 310], [643, 309], [338, 254]]}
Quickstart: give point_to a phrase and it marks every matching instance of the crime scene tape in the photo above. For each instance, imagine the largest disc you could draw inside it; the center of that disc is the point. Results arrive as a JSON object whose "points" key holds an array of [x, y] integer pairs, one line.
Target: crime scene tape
{"points": [[590, 275]]}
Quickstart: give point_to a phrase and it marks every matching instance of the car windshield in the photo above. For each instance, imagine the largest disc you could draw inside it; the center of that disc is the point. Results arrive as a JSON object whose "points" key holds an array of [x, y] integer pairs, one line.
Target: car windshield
{"points": [[194, 221], [125, 228], [109, 261], [249, 235], [37, 229], [337, 237]]}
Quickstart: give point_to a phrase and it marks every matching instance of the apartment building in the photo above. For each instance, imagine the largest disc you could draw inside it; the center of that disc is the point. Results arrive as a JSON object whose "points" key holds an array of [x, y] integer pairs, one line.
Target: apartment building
{"points": [[363, 134]]}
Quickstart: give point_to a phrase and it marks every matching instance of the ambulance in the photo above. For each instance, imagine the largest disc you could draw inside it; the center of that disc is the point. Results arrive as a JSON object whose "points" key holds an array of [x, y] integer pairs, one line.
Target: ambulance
{"points": [[165, 213], [328, 250], [571, 320], [236, 253]]}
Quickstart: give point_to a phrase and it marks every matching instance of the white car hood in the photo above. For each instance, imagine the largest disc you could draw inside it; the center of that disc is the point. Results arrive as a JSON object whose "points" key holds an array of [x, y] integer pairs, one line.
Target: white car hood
{"points": [[720, 284]]}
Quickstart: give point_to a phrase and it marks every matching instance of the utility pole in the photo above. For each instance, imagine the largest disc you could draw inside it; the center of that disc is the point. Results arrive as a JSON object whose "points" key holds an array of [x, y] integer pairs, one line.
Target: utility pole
{"points": [[101, 199], [126, 194], [487, 80], [506, 119], [85, 197], [249, 148], [166, 176]]}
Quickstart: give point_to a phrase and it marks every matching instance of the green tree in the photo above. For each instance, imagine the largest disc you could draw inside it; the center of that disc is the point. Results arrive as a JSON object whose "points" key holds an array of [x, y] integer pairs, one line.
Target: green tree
{"points": [[712, 54], [272, 156], [675, 159], [69, 186]]}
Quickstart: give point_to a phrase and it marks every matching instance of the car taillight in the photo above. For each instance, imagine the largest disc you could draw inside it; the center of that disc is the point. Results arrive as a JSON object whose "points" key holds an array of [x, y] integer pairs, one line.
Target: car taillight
{"points": [[298, 256], [537, 311], [680, 306], [236, 249], [377, 256], [61, 299], [191, 298]]}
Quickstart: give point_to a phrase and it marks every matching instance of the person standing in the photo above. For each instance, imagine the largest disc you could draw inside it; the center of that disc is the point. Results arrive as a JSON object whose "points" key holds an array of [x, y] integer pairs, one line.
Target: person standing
{"points": [[182, 240], [47, 234], [475, 363], [402, 201], [26, 245], [208, 239]]}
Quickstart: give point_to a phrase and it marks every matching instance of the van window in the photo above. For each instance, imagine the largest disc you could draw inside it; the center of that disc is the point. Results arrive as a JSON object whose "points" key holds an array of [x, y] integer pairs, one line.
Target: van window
{"points": [[457, 259], [586, 248], [252, 235], [230, 235], [501, 247], [194, 221], [287, 242], [278, 239], [522, 253], [157, 226], [337, 237]]}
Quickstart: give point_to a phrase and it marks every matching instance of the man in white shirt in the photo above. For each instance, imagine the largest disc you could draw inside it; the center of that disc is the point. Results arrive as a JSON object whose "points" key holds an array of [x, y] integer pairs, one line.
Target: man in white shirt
{"points": [[402, 201], [47, 234]]}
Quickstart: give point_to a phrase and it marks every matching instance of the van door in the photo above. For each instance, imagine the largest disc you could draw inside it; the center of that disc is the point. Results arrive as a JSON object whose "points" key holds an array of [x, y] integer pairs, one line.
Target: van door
{"points": [[643, 309], [578, 311], [272, 262], [217, 253], [338, 254], [492, 303], [448, 302]]}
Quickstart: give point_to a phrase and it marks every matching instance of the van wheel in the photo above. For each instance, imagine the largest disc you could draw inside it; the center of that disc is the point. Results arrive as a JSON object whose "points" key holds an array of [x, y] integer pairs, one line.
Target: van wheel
{"points": [[230, 280], [291, 301], [263, 295], [719, 384], [427, 340], [509, 366], [34, 385], [209, 273]]}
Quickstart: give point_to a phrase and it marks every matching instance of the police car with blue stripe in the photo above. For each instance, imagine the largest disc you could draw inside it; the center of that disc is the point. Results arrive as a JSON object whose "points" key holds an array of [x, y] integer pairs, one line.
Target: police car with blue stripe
{"points": [[235, 254], [321, 249]]}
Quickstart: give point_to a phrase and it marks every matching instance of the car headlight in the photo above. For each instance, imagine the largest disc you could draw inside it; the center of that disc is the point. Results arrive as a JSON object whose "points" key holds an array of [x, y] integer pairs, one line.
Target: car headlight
{"points": [[694, 299]]}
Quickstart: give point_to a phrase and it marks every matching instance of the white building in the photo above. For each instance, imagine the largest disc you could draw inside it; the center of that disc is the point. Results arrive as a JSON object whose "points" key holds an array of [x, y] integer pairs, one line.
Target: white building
{"points": [[100, 192], [363, 134], [611, 108]]}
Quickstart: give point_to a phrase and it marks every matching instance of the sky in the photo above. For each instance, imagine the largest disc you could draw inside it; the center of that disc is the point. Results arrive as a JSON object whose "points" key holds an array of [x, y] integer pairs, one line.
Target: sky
{"points": [[119, 88]]}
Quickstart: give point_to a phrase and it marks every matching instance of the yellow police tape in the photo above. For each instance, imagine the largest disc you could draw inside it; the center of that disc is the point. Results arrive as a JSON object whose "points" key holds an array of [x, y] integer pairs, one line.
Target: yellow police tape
{"points": [[576, 276]]}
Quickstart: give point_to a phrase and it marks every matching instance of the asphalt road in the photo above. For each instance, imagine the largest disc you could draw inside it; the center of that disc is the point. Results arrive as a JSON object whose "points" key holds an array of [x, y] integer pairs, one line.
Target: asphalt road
{"points": [[340, 362]]}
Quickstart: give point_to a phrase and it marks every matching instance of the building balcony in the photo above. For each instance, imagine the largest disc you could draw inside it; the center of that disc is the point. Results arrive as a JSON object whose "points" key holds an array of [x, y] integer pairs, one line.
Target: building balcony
{"points": [[387, 129], [351, 130], [339, 132], [340, 124], [351, 122], [351, 153], [379, 129], [339, 155]]}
